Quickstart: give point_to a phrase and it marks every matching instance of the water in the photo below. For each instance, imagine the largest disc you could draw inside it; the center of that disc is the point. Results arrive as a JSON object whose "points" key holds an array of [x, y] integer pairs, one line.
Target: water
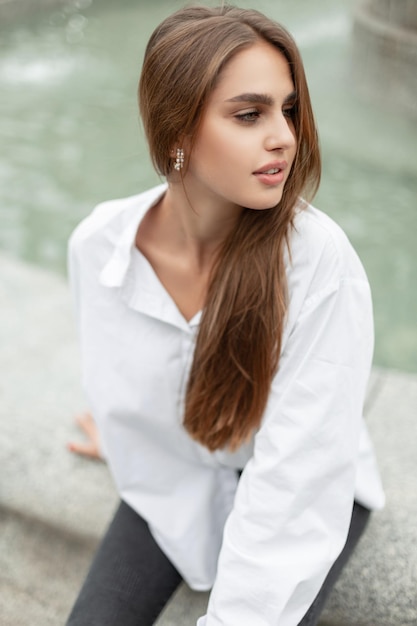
{"points": [[70, 137]]}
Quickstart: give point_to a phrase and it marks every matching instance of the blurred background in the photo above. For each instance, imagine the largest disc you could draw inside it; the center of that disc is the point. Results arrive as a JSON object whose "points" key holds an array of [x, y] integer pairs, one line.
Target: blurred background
{"points": [[70, 133]]}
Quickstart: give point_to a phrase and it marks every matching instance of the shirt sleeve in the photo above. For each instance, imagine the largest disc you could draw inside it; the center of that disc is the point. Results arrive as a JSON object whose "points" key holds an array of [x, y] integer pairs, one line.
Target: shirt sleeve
{"points": [[293, 506], [76, 289]]}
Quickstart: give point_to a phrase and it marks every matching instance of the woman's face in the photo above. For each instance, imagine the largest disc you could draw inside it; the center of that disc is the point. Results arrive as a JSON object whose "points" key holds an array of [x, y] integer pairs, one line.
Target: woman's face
{"points": [[246, 143]]}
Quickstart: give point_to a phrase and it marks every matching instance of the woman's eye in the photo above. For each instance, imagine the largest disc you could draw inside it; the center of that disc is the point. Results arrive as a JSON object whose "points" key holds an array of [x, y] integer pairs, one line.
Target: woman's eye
{"points": [[289, 111], [248, 116]]}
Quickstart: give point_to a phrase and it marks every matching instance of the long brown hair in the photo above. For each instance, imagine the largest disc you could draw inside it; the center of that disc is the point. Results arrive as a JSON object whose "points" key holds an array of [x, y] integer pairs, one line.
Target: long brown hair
{"points": [[239, 340]]}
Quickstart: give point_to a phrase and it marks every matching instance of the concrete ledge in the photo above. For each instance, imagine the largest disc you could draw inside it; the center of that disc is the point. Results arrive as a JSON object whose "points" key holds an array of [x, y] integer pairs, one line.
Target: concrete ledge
{"points": [[54, 506], [384, 59], [401, 12], [41, 569], [40, 392], [378, 587]]}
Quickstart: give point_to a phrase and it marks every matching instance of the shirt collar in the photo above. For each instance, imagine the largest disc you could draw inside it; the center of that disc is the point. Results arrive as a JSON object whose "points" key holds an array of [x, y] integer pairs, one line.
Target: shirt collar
{"points": [[115, 270], [119, 270]]}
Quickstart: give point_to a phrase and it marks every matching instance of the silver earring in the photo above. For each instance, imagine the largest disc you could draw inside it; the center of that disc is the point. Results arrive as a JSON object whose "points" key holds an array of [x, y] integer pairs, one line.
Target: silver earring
{"points": [[179, 160]]}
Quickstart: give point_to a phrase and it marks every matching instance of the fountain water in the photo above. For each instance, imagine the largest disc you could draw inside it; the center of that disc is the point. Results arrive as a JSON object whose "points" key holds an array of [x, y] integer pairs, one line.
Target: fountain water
{"points": [[70, 136]]}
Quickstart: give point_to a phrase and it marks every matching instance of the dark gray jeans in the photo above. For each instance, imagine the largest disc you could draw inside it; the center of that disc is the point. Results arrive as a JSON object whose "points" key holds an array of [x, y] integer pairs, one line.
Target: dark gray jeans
{"points": [[131, 580]]}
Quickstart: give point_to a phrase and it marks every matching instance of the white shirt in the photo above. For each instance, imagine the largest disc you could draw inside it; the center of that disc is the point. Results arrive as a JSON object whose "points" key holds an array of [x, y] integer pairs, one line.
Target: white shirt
{"points": [[267, 543]]}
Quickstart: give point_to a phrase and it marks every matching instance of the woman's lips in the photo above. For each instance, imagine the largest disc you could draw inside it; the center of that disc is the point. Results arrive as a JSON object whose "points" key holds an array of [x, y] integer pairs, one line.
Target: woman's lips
{"points": [[272, 173]]}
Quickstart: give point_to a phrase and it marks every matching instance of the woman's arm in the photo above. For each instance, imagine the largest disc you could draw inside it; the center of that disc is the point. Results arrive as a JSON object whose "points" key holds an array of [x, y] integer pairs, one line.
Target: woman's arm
{"points": [[293, 506]]}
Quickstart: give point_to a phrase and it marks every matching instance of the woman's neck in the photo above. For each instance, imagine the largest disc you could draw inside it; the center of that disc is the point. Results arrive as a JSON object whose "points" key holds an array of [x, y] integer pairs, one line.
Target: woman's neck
{"points": [[194, 224], [181, 237]]}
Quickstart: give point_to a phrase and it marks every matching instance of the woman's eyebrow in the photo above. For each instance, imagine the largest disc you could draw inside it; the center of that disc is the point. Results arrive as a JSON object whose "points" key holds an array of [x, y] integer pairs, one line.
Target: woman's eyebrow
{"points": [[260, 98], [253, 98]]}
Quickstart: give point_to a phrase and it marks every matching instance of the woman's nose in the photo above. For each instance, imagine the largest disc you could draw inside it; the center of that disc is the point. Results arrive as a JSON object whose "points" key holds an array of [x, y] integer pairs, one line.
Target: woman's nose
{"points": [[281, 134]]}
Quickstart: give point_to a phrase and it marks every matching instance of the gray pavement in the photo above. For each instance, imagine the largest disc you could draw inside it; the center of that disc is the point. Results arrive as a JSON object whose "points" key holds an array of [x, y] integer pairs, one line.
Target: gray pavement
{"points": [[55, 506]]}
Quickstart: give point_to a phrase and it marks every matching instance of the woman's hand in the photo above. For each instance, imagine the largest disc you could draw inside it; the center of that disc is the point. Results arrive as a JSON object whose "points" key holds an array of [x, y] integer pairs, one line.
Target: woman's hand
{"points": [[90, 448]]}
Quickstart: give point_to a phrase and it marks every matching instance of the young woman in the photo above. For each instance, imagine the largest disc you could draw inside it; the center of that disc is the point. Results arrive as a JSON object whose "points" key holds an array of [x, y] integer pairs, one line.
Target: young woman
{"points": [[226, 331]]}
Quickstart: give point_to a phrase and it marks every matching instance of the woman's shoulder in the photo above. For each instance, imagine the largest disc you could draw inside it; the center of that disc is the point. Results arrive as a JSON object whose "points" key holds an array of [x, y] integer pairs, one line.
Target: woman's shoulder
{"points": [[319, 230], [110, 218], [318, 242]]}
